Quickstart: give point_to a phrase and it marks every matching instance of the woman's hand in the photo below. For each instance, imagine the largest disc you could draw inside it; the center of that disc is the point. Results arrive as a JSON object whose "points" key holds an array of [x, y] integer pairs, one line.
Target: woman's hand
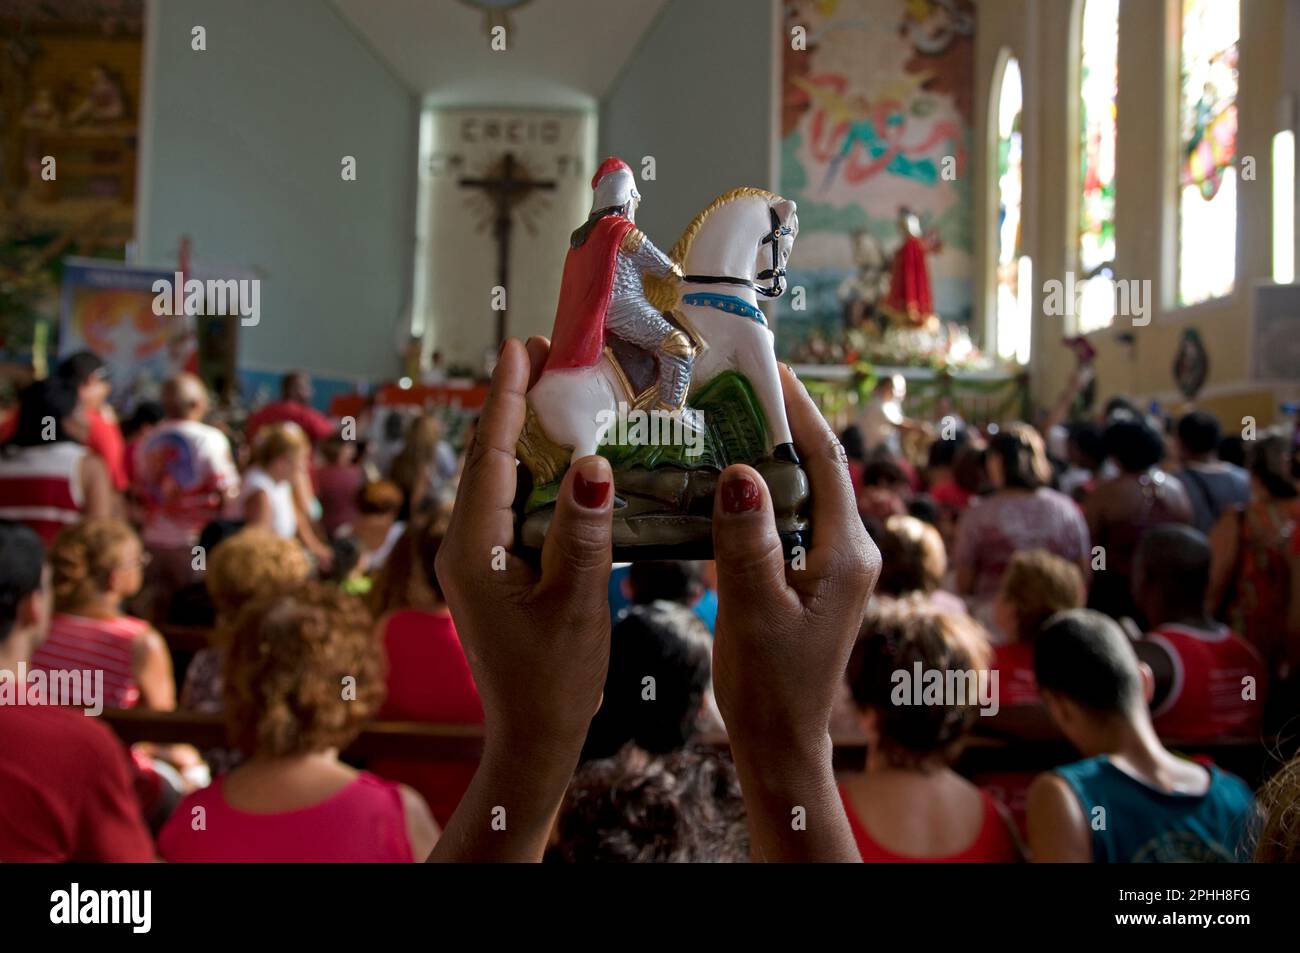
{"points": [[537, 641], [783, 638]]}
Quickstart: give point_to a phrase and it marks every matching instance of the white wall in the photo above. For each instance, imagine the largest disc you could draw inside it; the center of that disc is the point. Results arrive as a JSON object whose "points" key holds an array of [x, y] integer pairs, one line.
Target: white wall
{"points": [[242, 150], [697, 94]]}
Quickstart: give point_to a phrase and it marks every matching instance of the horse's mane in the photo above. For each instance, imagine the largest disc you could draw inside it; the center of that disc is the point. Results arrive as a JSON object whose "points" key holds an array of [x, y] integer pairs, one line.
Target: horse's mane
{"points": [[662, 292]]}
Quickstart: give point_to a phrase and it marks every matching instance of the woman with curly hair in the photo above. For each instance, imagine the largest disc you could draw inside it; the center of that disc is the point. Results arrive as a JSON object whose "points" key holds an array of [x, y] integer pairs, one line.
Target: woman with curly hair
{"points": [[909, 805], [303, 674], [95, 566]]}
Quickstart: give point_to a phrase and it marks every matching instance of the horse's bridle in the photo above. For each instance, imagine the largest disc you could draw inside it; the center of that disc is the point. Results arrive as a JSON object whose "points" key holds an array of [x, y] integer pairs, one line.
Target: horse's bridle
{"points": [[776, 273]]}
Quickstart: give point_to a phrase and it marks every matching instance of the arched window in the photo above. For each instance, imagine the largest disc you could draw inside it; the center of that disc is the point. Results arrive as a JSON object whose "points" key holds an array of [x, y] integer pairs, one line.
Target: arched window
{"points": [[1012, 326], [1207, 150], [1098, 84]]}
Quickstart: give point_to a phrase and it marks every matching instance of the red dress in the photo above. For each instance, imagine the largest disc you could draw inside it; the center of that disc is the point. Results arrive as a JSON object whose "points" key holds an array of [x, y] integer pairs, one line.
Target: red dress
{"points": [[993, 845], [909, 285], [429, 680]]}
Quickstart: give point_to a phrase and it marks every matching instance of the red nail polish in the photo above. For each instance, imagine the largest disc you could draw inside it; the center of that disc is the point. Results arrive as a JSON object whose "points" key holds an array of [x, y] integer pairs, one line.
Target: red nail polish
{"points": [[590, 493], [740, 495]]}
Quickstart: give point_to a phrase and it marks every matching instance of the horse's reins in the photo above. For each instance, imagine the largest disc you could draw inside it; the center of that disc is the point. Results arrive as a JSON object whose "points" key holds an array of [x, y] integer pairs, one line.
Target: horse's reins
{"points": [[776, 272]]}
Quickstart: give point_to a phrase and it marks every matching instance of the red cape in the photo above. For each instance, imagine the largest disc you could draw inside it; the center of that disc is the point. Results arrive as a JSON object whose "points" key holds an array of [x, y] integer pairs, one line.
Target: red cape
{"points": [[909, 286], [579, 333]]}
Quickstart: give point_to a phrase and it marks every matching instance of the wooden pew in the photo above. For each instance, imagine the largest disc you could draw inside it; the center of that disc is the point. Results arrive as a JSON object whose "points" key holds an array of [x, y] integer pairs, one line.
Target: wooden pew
{"points": [[1253, 761]]}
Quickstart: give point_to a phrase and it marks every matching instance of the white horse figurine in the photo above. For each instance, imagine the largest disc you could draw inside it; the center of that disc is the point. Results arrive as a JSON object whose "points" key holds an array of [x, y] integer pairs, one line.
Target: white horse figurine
{"points": [[733, 251]]}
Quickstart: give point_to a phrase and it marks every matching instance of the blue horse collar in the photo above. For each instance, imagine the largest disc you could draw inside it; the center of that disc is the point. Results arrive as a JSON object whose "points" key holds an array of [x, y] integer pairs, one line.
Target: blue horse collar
{"points": [[729, 303]]}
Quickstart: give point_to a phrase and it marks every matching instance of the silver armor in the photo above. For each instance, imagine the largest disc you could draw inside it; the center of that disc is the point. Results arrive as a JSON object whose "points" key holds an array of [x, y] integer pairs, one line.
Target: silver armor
{"points": [[632, 318]]}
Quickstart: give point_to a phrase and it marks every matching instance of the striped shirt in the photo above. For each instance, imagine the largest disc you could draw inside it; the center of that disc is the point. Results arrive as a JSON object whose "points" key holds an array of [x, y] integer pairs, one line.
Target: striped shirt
{"points": [[77, 643], [41, 487]]}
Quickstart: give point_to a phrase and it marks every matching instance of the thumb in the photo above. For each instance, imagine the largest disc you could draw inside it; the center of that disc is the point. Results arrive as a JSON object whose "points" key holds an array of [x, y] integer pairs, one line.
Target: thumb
{"points": [[746, 546], [577, 549]]}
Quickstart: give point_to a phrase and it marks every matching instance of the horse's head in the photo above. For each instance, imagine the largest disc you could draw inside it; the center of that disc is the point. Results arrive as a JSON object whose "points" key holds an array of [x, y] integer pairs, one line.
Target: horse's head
{"points": [[742, 240]]}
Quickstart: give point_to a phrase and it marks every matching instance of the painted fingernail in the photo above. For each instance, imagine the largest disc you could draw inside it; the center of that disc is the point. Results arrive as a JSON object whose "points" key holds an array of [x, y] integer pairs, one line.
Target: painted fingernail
{"points": [[740, 495], [591, 493]]}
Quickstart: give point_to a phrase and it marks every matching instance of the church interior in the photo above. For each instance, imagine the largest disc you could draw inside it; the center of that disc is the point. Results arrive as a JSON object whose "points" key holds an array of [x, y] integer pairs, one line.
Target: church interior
{"points": [[901, 397]]}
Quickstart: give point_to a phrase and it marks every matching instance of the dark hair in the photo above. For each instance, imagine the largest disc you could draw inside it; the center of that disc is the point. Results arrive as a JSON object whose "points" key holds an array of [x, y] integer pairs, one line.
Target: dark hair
{"points": [[883, 471], [21, 559], [1175, 561], [1024, 461], [1272, 466], [675, 580], [1199, 432], [146, 414], [944, 452], [1134, 445], [347, 554], [925, 508], [851, 441], [664, 641], [1089, 440], [408, 580], [1085, 656], [680, 807], [77, 368], [53, 399], [1232, 449], [896, 636], [1120, 408]]}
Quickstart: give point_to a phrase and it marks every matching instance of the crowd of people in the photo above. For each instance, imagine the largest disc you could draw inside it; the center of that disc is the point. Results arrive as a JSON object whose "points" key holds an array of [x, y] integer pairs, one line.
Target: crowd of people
{"points": [[1121, 583]]}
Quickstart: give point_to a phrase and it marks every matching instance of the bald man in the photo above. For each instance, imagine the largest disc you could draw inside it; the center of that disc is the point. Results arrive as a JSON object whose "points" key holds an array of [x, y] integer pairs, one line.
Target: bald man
{"points": [[184, 474]]}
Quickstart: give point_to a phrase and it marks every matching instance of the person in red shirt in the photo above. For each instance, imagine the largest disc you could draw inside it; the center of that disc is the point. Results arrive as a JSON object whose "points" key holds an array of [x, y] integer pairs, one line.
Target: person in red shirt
{"points": [[66, 779], [1209, 682], [910, 805], [428, 676], [294, 406], [86, 372]]}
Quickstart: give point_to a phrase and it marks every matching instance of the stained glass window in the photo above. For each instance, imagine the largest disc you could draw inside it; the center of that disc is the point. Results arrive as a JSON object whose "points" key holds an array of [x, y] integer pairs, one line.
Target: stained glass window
{"points": [[1098, 83], [1012, 326], [1207, 178]]}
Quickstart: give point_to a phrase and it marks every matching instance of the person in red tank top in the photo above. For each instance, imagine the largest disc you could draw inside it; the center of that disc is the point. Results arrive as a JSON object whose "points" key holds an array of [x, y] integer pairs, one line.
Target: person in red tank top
{"points": [[428, 676], [293, 800], [64, 776], [1209, 682], [909, 805]]}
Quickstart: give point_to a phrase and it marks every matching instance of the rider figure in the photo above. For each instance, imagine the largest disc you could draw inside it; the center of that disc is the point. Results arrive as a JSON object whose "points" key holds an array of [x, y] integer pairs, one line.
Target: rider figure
{"points": [[627, 313]]}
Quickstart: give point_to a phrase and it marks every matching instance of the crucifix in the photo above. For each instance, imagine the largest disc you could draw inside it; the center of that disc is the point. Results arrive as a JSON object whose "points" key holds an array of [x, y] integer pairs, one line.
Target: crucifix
{"points": [[506, 187]]}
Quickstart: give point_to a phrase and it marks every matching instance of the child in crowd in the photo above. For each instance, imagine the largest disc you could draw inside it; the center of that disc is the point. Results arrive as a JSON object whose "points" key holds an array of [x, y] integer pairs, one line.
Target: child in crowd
{"points": [[1209, 682], [1129, 800], [338, 480], [909, 805], [304, 674], [1036, 586]]}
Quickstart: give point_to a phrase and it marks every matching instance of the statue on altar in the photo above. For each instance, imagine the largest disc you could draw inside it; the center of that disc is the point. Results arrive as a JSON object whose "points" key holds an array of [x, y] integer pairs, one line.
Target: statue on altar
{"points": [[862, 292], [909, 303]]}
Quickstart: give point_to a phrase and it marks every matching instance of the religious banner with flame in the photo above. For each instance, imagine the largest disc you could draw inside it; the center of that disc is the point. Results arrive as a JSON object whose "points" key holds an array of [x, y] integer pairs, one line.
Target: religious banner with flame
{"points": [[875, 116]]}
